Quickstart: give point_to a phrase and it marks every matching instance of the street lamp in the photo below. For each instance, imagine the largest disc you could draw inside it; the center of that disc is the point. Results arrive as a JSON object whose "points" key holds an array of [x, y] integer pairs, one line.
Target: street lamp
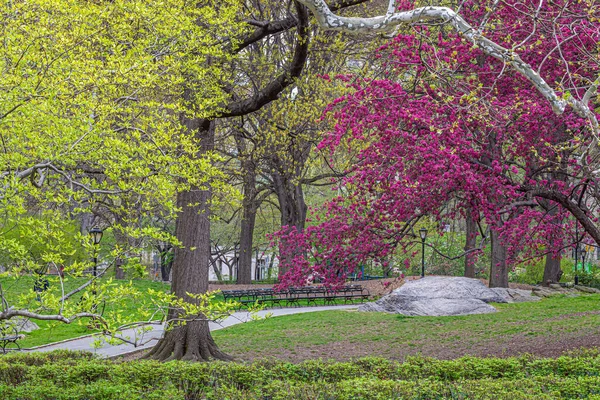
{"points": [[96, 235], [576, 278], [583, 252], [423, 234]]}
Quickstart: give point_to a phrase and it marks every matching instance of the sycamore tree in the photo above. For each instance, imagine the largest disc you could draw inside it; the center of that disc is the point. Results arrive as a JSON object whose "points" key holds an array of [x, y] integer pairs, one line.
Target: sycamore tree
{"points": [[92, 99], [266, 20], [492, 107]]}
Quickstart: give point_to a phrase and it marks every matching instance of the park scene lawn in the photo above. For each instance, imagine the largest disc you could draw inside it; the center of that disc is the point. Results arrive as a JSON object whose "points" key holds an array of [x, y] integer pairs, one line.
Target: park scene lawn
{"points": [[547, 328], [299, 199]]}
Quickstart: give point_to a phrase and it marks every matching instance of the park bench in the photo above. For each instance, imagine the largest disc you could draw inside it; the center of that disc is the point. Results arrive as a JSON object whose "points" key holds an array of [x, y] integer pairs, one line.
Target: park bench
{"points": [[294, 296], [9, 334]]}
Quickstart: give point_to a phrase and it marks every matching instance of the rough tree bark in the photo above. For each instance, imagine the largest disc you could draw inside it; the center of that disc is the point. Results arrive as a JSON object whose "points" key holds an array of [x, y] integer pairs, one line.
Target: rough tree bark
{"points": [[552, 271], [249, 209], [244, 276], [192, 341], [293, 212], [291, 202], [499, 267], [470, 243]]}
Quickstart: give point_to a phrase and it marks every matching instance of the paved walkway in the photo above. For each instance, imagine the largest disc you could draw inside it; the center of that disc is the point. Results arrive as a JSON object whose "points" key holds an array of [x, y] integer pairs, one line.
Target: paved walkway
{"points": [[149, 339]]}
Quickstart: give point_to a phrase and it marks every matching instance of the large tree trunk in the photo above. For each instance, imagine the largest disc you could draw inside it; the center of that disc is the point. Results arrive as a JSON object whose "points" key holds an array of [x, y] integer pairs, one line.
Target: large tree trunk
{"points": [[193, 340], [552, 271], [291, 201], [499, 267], [293, 216], [470, 243], [244, 274]]}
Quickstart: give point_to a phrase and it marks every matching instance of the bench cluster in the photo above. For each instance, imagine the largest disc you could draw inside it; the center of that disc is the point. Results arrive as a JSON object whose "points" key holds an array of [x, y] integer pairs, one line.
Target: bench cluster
{"points": [[298, 296]]}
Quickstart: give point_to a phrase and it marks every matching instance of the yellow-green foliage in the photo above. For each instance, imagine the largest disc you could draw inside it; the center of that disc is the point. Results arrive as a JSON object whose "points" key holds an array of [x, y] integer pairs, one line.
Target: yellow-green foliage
{"points": [[92, 95]]}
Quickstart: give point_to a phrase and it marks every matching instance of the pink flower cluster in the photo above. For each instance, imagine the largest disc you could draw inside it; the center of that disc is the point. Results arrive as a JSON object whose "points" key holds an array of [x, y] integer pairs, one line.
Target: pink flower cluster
{"points": [[448, 129]]}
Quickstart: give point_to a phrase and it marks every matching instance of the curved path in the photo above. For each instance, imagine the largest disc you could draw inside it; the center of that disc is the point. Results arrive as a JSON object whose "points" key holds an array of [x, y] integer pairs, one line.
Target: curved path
{"points": [[106, 350]]}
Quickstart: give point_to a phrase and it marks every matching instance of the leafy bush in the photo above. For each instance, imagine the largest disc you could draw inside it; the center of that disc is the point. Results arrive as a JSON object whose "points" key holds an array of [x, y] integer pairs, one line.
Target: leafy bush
{"points": [[591, 279], [67, 375]]}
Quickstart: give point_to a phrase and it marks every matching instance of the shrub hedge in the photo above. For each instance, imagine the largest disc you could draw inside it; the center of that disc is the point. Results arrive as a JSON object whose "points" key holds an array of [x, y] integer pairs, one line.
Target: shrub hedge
{"points": [[70, 375]]}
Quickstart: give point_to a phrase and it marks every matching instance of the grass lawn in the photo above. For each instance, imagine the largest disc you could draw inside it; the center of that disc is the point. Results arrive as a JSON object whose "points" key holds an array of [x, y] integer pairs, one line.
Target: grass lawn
{"points": [[51, 331], [545, 328]]}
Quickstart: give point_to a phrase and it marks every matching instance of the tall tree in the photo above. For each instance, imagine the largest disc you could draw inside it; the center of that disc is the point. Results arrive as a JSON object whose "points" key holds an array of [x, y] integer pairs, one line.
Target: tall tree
{"points": [[193, 341], [89, 116], [424, 160]]}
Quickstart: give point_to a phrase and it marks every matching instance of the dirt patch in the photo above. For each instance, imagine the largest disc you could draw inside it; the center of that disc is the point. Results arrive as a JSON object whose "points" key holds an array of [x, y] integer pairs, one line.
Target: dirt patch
{"points": [[516, 345]]}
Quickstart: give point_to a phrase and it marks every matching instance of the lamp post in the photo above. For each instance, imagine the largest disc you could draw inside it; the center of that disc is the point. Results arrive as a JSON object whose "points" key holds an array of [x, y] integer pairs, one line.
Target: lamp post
{"points": [[583, 253], [96, 235], [576, 278], [423, 234]]}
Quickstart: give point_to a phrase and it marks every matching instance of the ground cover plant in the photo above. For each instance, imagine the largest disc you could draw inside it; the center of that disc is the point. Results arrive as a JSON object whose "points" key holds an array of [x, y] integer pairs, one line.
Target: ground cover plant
{"points": [[64, 375], [544, 328]]}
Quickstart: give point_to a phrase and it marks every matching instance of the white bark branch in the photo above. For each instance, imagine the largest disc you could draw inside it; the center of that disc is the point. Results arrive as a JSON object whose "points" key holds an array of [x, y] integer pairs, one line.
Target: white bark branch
{"points": [[328, 20], [10, 313]]}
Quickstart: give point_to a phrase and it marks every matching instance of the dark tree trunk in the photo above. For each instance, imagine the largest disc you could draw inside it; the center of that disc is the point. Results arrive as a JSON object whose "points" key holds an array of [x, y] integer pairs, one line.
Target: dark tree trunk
{"points": [[552, 271], [216, 268], [293, 215], [244, 273], [166, 262], [470, 243], [291, 201], [499, 267], [119, 272], [193, 340]]}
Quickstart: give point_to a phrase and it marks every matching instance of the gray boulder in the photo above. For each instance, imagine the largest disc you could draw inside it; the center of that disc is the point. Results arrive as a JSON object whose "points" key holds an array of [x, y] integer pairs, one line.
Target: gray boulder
{"points": [[21, 324], [516, 295], [438, 296]]}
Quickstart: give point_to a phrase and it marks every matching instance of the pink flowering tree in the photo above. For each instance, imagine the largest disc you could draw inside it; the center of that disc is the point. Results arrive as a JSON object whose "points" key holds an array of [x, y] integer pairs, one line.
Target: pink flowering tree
{"points": [[493, 118]]}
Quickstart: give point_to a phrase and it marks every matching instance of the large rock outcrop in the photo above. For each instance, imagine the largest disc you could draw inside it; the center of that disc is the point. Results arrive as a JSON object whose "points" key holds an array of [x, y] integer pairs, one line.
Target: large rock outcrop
{"points": [[516, 295], [438, 296]]}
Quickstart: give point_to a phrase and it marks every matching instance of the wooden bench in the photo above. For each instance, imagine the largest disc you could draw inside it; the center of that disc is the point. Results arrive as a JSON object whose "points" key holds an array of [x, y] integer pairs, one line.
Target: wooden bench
{"points": [[293, 296]]}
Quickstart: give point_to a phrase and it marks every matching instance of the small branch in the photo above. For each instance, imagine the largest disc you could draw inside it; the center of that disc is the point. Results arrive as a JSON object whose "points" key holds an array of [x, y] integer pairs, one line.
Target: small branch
{"points": [[88, 283], [10, 313]]}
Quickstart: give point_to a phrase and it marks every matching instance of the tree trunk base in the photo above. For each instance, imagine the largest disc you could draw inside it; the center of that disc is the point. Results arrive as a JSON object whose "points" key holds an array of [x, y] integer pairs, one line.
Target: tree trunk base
{"points": [[191, 342]]}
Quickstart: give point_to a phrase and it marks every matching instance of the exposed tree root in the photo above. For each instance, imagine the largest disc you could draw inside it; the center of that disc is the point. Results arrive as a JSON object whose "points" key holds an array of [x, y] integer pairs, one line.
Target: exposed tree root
{"points": [[191, 342]]}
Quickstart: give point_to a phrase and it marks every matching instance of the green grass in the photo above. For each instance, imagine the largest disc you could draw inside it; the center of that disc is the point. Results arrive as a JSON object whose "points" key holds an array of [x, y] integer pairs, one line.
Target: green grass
{"points": [[297, 337], [51, 331]]}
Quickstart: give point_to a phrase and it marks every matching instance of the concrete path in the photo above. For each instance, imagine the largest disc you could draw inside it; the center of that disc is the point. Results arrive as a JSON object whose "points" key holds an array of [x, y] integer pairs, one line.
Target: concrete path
{"points": [[149, 338]]}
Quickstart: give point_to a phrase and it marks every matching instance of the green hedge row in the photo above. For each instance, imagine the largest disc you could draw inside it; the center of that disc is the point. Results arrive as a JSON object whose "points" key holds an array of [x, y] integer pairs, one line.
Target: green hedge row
{"points": [[79, 376]]}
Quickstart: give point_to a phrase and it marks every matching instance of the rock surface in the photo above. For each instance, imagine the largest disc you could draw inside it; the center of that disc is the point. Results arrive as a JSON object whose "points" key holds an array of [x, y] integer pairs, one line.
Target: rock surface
{"points": [[21, 324], [438, 296], [516, 295], [26, 325]]}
